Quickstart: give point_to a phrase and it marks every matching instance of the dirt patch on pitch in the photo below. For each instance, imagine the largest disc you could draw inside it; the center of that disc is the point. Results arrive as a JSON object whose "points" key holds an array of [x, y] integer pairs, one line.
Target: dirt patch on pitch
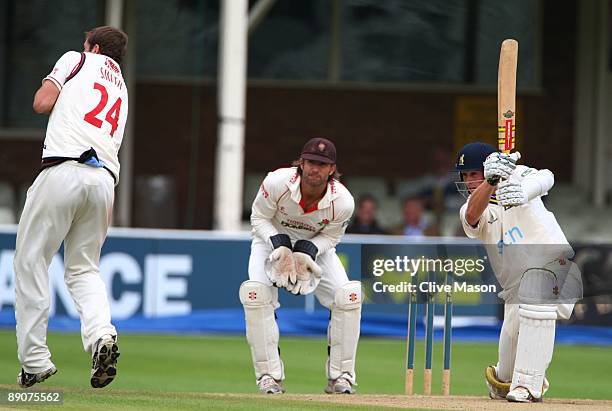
{"points": [[451, 402]]}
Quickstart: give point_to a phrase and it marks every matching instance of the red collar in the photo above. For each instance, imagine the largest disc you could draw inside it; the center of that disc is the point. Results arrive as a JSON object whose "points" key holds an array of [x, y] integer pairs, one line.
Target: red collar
{"points": [[314, 207]]}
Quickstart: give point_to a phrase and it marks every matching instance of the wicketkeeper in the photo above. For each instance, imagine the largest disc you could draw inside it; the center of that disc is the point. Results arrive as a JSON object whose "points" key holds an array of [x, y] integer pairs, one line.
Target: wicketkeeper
{"points": [[298, 217]]}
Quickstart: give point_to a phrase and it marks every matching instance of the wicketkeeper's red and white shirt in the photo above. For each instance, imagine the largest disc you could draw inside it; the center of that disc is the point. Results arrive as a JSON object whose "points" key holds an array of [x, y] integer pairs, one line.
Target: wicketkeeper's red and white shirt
{"points": [[91, 109], [278, 209]]}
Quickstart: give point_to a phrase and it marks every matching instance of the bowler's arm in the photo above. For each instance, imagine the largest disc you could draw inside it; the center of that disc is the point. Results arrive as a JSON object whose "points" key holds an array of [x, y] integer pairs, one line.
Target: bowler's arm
{"points": [[45, 97]]}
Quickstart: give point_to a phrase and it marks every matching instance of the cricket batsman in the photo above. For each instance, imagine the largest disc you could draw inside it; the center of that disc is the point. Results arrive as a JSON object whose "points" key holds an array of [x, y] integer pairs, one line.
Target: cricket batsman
{"points": [[530, 257], [299, 215]]}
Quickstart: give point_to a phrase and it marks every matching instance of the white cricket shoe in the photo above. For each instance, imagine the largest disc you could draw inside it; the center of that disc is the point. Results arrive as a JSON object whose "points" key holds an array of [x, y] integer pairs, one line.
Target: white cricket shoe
{"points": [[26, 379], [521, 394], [268, 385], [339, 386], [104, 361]]}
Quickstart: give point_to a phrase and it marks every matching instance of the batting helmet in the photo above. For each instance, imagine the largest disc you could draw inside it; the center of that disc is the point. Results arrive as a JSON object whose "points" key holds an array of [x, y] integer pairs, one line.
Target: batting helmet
{"points": [[472, 155], [470, 158]]}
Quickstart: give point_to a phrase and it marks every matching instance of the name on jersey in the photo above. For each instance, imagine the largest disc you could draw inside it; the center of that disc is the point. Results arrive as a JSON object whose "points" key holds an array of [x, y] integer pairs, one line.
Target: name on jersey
{"points": [[106, 74]]}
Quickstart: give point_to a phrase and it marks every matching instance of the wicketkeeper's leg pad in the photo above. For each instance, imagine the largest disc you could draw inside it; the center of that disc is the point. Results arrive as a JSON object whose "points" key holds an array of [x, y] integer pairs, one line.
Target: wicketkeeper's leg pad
{"points": [[261, 329], [535, 346], [343, 331]]}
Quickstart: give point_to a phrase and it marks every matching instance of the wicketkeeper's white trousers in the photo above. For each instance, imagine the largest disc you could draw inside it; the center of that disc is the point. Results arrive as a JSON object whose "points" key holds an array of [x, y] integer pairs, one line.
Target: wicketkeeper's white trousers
{"points": [[335, 292], [70, 202]]}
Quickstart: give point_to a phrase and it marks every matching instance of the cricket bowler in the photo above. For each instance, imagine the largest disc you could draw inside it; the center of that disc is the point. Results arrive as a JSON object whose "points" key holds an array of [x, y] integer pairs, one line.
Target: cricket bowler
{"points": [[71, 201]]}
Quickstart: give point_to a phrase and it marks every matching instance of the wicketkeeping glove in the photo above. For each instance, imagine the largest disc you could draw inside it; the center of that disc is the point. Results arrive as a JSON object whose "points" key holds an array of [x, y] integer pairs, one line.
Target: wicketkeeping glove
{"points": [[500, 166], [282, 264], [308, 271]]}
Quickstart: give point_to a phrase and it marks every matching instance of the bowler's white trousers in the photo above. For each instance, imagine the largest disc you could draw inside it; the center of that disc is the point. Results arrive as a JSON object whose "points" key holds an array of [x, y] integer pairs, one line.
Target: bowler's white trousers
{"points": [[70, 202]]}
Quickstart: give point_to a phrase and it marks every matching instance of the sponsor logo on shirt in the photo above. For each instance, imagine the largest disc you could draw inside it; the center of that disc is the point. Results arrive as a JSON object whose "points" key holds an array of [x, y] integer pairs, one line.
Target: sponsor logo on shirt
{"points": [[298, 225], [512, 236], [109, 63]]}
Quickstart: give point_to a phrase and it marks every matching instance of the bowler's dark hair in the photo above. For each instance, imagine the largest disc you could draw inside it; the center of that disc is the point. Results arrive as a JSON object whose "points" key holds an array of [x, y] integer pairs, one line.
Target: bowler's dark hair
{"points": [[112, 41]]}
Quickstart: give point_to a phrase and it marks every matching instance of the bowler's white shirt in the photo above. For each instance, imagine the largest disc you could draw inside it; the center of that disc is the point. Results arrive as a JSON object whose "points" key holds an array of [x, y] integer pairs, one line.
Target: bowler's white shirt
{"points": [[91, 109]]}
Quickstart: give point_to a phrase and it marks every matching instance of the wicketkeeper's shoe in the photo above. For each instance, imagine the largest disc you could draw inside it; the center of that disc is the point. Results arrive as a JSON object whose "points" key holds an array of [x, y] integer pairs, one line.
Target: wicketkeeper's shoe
{"points": [[25, 379], [339, 386], [268, 385], [104, 361], [521, 394]]}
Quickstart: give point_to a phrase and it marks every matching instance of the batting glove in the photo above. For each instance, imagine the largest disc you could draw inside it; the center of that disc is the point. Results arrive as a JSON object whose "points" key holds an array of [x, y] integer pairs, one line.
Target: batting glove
{"points": [[500, 166], [511, 193]]}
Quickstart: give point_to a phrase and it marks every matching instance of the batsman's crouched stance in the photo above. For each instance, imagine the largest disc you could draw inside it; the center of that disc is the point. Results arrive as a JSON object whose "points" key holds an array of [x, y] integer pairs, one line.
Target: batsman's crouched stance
{"points": [[298, 217], [531, 259]]}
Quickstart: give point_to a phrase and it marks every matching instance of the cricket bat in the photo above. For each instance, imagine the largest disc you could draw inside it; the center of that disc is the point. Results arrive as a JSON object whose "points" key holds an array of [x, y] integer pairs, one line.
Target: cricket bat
{"points": [[506, 96]]}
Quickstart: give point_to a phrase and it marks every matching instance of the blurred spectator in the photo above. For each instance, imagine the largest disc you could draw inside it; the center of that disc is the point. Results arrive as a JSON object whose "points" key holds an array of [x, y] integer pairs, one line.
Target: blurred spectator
{"points": [[438, 191], [365, 217], [439, 187], [414, 220]]}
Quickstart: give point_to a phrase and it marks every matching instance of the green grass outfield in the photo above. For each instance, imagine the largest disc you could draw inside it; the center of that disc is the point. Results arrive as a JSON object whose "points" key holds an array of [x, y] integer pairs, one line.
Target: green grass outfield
{"points": [[154, 368]]}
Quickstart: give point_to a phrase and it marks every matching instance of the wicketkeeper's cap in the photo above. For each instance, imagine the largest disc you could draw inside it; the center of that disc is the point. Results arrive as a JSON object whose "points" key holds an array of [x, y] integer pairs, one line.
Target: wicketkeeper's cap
{"points": [[319, 149]]}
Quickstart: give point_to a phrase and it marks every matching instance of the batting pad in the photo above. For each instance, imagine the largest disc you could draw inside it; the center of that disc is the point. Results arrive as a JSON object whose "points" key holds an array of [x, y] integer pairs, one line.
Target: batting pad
{"points": [[261, 329], [535, 346], [539, 286], [343, 331]]}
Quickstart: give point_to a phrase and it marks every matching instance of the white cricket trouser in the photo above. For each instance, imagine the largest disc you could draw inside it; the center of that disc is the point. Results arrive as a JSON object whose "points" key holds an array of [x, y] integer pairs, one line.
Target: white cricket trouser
{"points": [[70, 202]]}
